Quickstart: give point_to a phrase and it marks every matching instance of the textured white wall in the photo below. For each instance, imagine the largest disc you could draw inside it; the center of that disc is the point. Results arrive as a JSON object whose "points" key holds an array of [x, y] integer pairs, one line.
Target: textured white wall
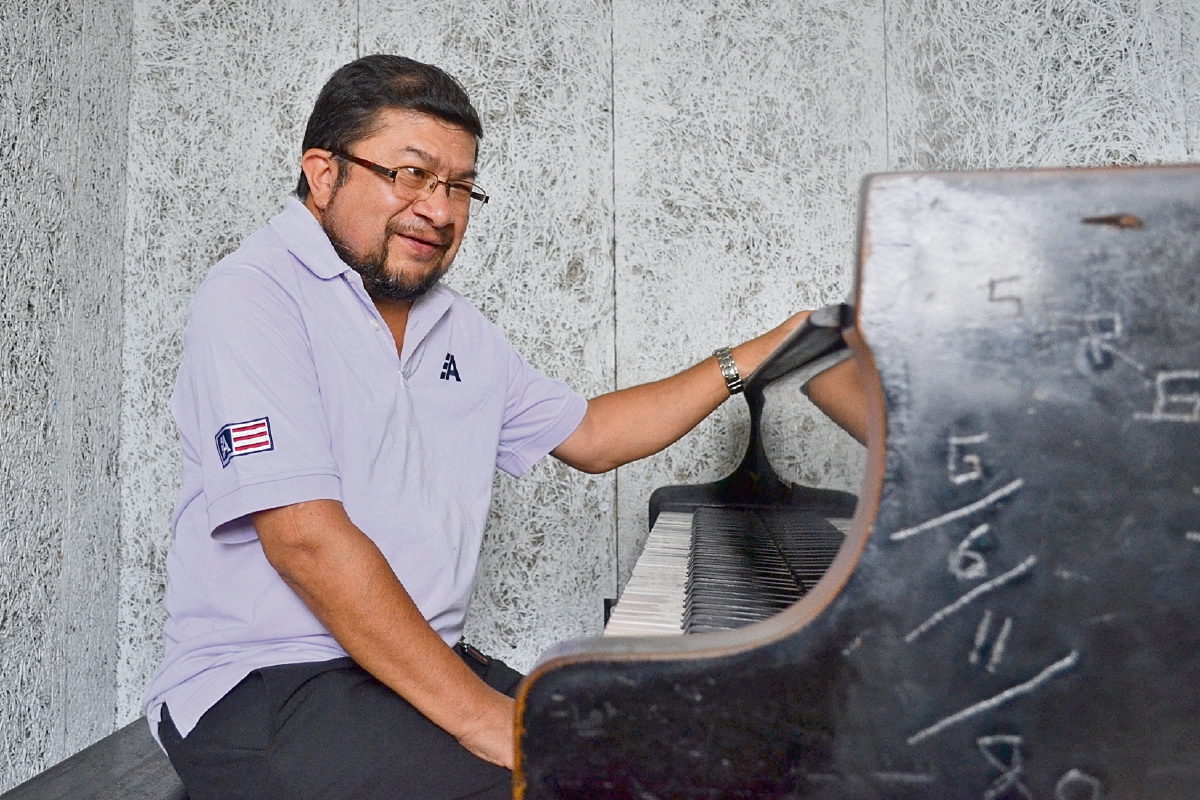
{"points": [[1191, 75], [1035, 83], [63, 96]]}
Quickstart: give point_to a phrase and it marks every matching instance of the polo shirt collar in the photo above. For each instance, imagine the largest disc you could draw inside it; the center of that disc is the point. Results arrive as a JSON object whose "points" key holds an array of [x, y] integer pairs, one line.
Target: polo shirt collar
{"points": [[305, 239]]}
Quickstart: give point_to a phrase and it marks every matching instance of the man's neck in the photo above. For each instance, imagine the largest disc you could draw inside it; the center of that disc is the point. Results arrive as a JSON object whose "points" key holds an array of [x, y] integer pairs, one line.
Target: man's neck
{"points": [[395, 314]]}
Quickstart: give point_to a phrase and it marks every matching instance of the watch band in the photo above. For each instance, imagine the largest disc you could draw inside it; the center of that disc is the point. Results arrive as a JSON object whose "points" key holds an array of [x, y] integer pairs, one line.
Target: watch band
{"points": [[729, 370]]}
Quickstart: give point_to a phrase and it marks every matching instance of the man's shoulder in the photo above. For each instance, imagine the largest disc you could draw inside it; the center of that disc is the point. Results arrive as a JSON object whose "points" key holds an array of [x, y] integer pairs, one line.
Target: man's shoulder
{"points": [[466, 313], [261, 274], [262, 254], [474, 324], [459, 305], [281, 254]]}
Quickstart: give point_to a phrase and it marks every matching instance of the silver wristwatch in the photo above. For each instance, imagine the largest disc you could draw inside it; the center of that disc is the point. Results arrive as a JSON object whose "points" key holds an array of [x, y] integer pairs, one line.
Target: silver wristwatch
{"points": [[729, 371]]}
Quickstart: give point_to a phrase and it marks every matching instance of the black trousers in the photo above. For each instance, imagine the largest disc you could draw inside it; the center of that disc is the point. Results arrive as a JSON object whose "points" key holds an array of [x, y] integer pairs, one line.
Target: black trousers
{"points": [[328, 730]]}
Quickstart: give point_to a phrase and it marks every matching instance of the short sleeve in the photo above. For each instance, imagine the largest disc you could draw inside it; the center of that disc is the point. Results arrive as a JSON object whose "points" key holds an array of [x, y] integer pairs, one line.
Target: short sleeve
{"points": [[249, 393], [539, 414]]}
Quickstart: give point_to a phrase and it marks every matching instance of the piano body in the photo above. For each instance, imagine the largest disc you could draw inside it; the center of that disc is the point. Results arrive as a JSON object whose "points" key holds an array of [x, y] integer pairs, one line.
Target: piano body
{"points": [[1015, 610]]}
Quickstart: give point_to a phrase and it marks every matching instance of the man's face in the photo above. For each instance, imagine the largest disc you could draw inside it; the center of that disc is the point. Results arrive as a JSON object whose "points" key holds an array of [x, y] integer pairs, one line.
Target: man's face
{"points": [[401, 247]]}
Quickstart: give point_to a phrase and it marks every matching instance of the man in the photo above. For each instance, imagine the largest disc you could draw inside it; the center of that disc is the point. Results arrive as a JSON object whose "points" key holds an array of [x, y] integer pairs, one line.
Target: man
{"points": [[340, 415]]}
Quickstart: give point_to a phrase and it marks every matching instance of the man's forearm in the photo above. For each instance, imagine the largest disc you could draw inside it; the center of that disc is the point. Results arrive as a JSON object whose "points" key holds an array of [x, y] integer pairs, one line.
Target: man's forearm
{"points": [[838, 392], [629, 424], [346, 582]]}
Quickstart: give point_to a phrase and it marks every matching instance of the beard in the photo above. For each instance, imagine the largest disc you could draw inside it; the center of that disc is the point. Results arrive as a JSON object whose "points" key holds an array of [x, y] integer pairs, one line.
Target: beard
{"points": [[372, 267]]}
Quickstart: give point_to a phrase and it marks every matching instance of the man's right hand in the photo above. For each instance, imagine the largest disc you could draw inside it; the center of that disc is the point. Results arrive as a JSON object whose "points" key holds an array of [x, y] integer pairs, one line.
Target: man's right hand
{"points": [[347, 583], [491, 738]]}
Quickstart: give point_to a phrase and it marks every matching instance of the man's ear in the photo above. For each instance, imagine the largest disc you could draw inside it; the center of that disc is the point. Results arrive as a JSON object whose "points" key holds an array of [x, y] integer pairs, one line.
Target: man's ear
{"points": [[321, 171]]}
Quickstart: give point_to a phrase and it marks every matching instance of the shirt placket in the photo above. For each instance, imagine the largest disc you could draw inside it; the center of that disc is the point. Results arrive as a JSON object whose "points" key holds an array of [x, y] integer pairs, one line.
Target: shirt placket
{"points": [[383, 334]]}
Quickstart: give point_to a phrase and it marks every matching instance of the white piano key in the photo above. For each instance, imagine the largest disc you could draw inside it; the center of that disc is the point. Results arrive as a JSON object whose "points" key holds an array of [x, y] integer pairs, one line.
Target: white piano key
{"points": [[652, 603]]}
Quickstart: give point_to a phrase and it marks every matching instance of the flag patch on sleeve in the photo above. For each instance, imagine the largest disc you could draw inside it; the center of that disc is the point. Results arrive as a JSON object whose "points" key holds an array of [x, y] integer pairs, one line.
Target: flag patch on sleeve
{"points": [[243, 438]]}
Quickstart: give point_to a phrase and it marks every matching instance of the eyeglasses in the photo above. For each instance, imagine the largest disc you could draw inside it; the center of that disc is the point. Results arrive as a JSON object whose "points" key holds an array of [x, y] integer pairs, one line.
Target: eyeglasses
{"points": [[415, 183]]}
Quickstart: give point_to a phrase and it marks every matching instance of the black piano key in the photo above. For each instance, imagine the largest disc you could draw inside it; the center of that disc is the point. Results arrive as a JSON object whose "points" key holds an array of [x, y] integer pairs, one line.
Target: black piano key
{"points": [[808, 541], [747, 565]]}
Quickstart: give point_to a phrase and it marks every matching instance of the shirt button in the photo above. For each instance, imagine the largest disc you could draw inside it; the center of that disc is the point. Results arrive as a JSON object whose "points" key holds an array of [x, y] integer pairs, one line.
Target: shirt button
{"points": [[374, 324]]}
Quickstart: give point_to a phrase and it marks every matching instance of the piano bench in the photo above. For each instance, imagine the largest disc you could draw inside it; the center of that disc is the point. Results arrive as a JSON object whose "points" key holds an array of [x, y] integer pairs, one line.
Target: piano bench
{"points": [[126, 765]]}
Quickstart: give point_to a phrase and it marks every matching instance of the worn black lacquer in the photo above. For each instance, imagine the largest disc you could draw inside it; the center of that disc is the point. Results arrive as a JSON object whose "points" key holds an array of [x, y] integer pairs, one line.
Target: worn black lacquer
{"points": [[1023, 619]]}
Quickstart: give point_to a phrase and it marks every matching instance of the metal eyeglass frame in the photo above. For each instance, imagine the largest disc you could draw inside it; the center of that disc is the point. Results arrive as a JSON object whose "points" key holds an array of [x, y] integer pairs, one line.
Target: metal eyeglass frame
{"points": [[476, 196]]}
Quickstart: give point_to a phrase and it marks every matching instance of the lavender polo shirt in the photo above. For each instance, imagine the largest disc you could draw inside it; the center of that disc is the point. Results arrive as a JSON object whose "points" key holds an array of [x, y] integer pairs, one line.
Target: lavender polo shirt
{"points": [[290, 390]]}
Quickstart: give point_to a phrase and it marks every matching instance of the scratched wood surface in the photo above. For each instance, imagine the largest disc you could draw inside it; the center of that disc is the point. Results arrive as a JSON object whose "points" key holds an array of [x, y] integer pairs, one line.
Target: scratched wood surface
{"points": [[1021, 618]]}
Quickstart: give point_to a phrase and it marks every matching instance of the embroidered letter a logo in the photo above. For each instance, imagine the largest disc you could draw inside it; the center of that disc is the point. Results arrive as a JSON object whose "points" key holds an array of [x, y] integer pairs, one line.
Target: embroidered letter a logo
{"points": [[450, 369]]}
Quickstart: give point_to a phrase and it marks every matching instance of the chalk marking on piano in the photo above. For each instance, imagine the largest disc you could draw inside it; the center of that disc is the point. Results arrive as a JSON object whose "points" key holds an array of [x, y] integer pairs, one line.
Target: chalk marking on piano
{"points": [[981, 633], [1011, 772], [1094, 327], [903, 777], [1001, 643], [1068, 575], [1076, 776], [1192, 536], [959, 513], [1031, 685], [1104, 619], [970, 459], [1163, 399], [962, 602], [1005, 298], [1127, 359], [1098, 340], [977, 566], [1099, 333]]}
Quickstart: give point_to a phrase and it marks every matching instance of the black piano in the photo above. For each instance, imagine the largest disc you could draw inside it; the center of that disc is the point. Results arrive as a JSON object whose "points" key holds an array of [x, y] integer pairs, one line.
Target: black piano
{"points": [[1013, 609]]}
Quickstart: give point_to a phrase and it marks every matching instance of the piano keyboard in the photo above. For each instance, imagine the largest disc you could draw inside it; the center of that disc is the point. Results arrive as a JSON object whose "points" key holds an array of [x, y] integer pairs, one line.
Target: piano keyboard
{"points": [[724, 568], [652, 603]]}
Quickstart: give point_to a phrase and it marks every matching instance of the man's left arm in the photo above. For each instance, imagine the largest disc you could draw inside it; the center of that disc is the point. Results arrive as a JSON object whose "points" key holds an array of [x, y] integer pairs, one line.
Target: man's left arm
{"points": [[629, 424]]}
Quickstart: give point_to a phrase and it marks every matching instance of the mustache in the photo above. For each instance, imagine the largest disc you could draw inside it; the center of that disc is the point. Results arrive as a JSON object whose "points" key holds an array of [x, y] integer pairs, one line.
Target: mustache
{"points": [[425, 234]]}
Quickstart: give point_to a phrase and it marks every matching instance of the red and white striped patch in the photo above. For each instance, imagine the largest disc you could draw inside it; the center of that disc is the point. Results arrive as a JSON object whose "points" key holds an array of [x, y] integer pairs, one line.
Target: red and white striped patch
{"points": [[243, 438]]}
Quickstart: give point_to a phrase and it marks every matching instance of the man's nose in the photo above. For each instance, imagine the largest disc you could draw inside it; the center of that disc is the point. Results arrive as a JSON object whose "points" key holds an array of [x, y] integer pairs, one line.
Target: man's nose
{"points": [[436, 208]]}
